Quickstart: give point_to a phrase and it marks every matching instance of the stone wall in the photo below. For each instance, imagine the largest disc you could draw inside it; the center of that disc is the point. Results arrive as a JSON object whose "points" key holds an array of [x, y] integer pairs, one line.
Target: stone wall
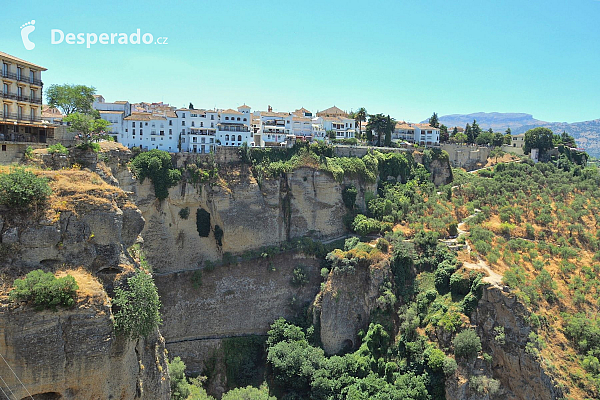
{"points": [[466, 156]]}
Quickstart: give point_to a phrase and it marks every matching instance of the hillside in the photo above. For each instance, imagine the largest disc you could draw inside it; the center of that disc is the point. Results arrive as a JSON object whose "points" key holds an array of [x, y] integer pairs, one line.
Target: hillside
{"points": [[586, 133]]}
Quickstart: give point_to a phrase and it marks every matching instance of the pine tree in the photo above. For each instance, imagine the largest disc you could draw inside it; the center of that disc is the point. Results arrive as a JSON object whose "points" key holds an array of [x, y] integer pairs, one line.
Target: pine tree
{"points": [[433, 121]]}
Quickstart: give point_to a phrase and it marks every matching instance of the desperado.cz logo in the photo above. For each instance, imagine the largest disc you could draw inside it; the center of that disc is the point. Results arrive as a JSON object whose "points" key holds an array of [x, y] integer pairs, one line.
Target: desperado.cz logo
{"points": [[57, 36]]}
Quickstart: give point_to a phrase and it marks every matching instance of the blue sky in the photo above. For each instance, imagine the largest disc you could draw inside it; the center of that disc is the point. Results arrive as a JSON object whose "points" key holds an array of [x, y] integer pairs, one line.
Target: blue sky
{"points": [[404, 58]]}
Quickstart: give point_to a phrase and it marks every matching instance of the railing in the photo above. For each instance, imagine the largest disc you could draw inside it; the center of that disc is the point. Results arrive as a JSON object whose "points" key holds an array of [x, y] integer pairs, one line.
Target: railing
{"points": [[13, 96], [233, 129], [9, 75], [22, 78], [19, 117]]}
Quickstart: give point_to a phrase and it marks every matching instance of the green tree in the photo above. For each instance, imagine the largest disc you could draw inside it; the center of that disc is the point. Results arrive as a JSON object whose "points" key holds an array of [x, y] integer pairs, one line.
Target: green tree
{"points": [[454, 131], [360, 116], [180, 387], [538, 138], [248, 393], [444, 133], [498, 139], [469, 134], [90, 129], [71, 98], [378, 123], [460, 137], [137, 306], [475, 131], [156, 165], [433, 120], [467, 344], [508, 131], [391, 124]]}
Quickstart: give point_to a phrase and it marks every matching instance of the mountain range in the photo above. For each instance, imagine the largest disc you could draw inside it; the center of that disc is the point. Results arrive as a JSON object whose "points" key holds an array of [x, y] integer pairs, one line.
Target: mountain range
{"points": [[586, 133]]}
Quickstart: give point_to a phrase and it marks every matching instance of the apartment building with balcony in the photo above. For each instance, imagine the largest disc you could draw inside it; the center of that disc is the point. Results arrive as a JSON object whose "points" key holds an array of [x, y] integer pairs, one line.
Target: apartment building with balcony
{"points": [[342, 126], [426, 135], [197, 129], [21, 102], [274, 127], [233, 128], [150, 131]]}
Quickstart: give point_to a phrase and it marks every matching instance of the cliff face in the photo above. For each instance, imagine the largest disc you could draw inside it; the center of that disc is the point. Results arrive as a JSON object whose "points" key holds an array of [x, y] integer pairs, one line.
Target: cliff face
{"points": [[75, 354], [344, 306], [233, 300], [521, 375], [305, 202]]}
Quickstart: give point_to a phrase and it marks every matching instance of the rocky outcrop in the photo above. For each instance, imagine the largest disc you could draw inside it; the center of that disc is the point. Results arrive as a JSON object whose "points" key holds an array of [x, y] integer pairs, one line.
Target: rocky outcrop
{"points": [[74, 354], [521, 375], [304, 202], [343, 308], [232, 300]]}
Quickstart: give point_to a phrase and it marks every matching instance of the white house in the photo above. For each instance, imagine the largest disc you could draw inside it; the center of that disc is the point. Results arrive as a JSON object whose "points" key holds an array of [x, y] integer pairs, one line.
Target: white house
{"points": [[274, 127], [197, 129], [149, 131], [115, 113], [426, 135], [233, 127], [342, 126]]}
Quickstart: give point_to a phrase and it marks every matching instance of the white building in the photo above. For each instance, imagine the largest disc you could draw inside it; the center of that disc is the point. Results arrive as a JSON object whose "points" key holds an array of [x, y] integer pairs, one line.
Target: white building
{"points": [[274, 127], [115, 113], [342, 126], [233, 128], [150, 131], [426, 135]]}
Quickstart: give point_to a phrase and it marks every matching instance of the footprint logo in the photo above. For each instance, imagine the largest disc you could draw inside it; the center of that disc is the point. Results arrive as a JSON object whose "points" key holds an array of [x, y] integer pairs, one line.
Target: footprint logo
{"points": [[26, 29]]}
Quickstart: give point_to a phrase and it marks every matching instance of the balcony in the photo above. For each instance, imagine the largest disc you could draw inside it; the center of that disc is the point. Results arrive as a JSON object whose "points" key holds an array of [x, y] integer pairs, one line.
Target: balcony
{"points": [[18, 117], [9, 75], [227, 128]]}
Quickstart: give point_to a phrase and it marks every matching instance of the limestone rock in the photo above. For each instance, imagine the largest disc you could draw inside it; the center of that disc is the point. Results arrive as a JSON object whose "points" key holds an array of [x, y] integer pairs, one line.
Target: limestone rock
{"points": [[10, 236]]}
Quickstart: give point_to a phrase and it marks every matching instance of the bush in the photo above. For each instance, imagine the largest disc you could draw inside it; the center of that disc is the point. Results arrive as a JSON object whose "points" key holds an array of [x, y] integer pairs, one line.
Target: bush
{"points": [[466, 344], [460, 283], [184, 213], [44, 290], [218, 235], [180, 388], [57, 148], [299, 277], [248, 393], [156, 165], [21, 189], [383, 245], [351, 243], [137, 306], [349, 196]]}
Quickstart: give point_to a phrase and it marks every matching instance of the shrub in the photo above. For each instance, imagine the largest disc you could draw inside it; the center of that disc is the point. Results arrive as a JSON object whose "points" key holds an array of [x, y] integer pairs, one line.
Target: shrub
{"points": [[218, 235], [57, 148], [197, 278], [449, 366], [351, 243], [383, 245], [466, 344], [21, 189], [44, 290], [156, 165], [137, 306], [180, 388], [184, 213], [299, 277], [460, 283], [349, 196]]}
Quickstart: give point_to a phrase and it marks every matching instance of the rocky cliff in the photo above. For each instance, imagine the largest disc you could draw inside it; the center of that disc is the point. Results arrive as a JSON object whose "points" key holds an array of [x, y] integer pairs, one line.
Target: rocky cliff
{"points": [[305, 202], [74, 353], [522, 374]]}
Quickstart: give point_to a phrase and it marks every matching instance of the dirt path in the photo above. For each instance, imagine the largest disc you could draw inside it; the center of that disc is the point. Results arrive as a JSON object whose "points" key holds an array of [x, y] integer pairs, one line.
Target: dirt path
{"points": [[493, 277]]}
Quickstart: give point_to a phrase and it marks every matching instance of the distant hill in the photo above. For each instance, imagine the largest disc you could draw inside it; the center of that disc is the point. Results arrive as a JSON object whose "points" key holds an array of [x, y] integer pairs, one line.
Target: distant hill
{"points": [[586, 133]]}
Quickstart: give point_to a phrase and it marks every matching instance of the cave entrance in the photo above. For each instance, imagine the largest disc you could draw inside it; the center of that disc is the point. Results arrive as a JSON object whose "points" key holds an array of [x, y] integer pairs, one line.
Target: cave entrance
{"points": [[44, 396]]}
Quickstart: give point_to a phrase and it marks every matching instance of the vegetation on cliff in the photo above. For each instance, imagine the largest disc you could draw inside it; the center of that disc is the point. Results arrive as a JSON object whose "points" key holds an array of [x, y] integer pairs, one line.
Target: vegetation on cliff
{"points": [[44, 290], [21, 189], [156, 165]]}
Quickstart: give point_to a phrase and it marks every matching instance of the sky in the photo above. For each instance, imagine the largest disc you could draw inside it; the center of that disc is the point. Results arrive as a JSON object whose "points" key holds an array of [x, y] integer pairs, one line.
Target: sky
{"points": [[406, 58]]}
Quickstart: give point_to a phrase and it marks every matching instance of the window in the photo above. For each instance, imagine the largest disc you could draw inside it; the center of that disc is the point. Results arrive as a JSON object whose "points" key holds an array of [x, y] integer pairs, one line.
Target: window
{"points": [[240, 138], [31, 76], [146, 124], [5, 88], [226, 137], [193, 123], [170, 131], [183, 115], [170, 122], [226, 118], [4, 69], [141, 132], [20, 114], [19, 91], [244, 119], [3, 147], [32, 114], [212, 117], [19, 72], [194, 139], [133, 125], [152, 140], [201, 124], [133, 131], [182, 123], [238, 118], [203, 140]]}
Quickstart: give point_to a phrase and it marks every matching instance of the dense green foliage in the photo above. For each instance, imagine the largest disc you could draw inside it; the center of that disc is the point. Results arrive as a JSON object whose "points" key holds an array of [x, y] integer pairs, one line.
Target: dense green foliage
{"points": [[467, 344], [244, 360], [57, 148], [21, 189], [180, 388], [156, 165], [136, 306], [44, 290]]}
